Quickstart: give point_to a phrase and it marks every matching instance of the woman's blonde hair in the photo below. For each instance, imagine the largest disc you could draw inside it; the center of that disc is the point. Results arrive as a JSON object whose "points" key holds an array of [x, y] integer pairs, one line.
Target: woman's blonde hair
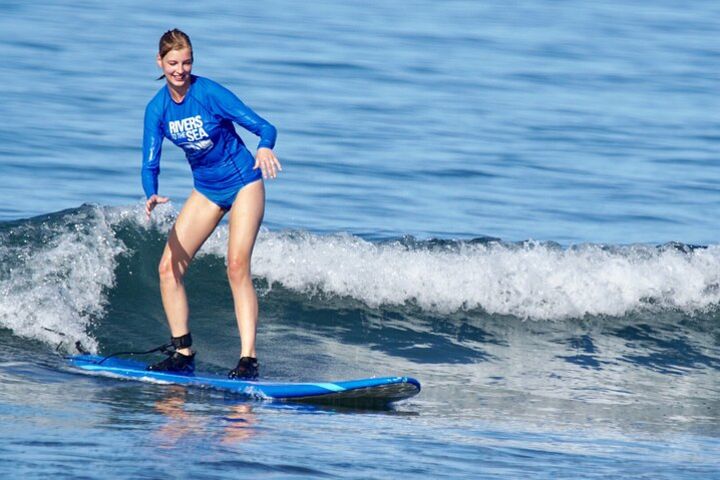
{"points": [[174, 40]]}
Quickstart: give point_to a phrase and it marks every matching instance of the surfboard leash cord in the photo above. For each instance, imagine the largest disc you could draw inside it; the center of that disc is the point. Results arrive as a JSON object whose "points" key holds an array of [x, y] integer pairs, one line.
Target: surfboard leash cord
{"points": [[167, 348]]}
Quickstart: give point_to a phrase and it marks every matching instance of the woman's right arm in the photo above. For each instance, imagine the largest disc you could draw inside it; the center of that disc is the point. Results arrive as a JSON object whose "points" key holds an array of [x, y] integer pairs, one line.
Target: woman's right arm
{"points": [[152, 149]]}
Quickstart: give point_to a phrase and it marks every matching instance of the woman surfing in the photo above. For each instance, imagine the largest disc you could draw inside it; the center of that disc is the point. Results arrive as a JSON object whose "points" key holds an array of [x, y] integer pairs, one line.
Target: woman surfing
{"points": [[197, 115]]}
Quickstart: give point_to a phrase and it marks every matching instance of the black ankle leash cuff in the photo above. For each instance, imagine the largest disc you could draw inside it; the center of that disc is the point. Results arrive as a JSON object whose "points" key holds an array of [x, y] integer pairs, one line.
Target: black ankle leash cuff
{"points": [[184, 341]]}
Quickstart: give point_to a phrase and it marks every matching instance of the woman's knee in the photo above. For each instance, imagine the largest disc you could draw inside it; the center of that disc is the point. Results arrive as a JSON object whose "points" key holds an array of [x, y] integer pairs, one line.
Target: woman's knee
{"points": [[170, 271], [238, 269]]}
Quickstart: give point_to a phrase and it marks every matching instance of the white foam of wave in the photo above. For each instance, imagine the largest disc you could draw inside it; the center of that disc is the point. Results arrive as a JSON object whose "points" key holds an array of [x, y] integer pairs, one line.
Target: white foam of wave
{"points": [[529, 281], [163, 216], [533, 280], [59, 285]]}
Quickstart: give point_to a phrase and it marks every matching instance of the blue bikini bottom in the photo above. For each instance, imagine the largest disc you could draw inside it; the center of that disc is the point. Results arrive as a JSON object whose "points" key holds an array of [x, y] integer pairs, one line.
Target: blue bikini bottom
{"points": [[221, 182]]}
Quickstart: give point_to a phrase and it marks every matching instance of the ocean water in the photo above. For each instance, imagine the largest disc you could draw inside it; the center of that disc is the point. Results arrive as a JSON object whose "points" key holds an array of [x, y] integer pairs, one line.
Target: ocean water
{"points": [[516, 203]]}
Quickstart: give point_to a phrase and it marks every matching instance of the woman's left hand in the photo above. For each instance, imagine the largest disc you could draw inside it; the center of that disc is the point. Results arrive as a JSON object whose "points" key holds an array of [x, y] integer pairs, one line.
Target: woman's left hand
{"points": [[266, 160]]}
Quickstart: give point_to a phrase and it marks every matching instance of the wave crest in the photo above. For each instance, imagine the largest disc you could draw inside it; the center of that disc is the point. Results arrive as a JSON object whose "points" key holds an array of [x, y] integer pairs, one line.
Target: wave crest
{"points": [[56, 271], [529, 280]]}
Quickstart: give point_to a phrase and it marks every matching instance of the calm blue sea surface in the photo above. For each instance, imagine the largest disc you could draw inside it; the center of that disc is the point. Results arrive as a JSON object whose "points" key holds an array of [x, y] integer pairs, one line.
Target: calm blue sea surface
{"points": [[516, 203]]}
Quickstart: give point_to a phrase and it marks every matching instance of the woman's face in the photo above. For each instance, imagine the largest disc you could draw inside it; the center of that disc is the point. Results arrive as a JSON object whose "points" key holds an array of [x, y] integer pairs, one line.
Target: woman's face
{"points": [[176, 66]]}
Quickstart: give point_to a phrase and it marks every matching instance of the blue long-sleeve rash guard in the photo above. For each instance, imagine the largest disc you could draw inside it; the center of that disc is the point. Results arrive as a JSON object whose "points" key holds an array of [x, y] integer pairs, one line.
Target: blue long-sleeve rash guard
{"points": [[202, 125]]}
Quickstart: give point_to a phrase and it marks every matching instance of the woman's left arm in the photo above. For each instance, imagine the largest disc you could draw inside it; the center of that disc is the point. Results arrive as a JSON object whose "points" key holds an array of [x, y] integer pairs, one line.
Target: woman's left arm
{"points": [[230, 106]]}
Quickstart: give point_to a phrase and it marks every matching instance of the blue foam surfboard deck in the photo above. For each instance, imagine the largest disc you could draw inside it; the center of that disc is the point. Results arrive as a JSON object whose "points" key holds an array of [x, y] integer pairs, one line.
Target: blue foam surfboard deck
{"points": [[382, 390]]}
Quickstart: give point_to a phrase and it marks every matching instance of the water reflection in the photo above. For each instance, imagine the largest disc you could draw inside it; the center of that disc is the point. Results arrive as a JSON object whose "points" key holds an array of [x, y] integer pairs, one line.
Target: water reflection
{"points": [[241, 422], [184, 423]]}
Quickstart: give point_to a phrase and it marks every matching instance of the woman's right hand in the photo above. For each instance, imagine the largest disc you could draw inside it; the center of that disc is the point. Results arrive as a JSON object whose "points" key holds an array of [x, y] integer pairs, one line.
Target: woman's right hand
{"points": [[152, 202]]}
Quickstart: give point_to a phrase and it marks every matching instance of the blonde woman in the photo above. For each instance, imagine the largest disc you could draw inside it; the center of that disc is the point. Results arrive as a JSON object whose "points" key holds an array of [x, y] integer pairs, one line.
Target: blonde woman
{"points": [[197, 115]]}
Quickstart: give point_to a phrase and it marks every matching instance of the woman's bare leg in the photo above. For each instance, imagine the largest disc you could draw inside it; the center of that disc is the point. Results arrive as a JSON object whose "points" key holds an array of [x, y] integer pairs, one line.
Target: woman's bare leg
{"points": [[245, 218], [196, 221]]}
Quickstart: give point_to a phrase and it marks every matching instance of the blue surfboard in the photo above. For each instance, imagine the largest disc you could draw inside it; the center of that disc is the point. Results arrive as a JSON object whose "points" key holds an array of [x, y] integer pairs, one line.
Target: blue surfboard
{"points": [[371, 391]]}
